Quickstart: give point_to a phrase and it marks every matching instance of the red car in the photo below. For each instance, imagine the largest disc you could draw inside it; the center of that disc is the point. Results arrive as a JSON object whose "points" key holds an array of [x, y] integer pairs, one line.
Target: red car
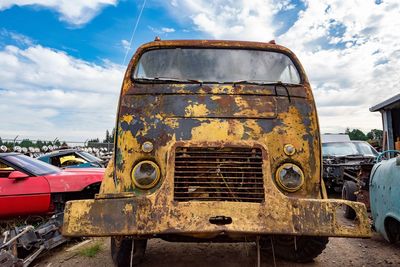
{"points": [[31, 187]]}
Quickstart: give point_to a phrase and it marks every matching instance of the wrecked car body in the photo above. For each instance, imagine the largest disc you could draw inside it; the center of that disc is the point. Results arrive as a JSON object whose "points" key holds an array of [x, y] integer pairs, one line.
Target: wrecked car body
{"points": [[32, 199], [215, 141], [72, 158], [347, 167], [384, 193], [342, 161]]}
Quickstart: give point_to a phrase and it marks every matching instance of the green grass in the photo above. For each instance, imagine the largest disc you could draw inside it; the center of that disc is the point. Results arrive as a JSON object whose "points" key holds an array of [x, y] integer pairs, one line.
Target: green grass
{"points": [[90, 251]]}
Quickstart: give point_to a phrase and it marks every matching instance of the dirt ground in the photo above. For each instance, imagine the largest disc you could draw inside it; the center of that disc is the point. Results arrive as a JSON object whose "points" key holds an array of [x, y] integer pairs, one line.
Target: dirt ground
{"points": [[339, 252]]}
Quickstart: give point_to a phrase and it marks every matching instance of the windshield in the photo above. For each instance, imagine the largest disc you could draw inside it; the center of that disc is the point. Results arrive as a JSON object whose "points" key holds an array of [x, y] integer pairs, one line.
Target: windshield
{"points": [[89, 156], [348, 148], [216, 65], [31, 165]]}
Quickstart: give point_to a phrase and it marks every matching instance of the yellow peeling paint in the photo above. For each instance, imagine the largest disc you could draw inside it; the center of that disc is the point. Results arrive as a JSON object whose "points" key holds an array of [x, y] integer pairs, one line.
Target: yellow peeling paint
{"points": [[128, 208], [216, 131], [127, 118], [199, 110]]}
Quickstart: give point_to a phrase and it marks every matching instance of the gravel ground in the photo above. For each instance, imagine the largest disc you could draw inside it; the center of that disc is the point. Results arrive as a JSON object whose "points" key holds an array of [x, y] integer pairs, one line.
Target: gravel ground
{"points": [[339, 252]]}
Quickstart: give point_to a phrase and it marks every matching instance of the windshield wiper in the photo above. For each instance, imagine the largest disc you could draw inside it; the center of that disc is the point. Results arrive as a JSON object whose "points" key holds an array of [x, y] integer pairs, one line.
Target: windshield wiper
{"points": [[168, 79], [275, 83], [260, 82]]}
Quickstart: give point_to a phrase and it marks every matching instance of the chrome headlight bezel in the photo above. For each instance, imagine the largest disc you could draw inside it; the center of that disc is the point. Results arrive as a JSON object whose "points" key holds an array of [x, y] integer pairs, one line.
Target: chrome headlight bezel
{"points": [[155, 180], [282, 183]]}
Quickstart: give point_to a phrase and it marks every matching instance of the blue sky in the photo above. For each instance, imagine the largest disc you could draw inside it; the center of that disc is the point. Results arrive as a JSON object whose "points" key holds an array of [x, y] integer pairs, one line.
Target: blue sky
{"points": [[97, 39], [63, 61]]}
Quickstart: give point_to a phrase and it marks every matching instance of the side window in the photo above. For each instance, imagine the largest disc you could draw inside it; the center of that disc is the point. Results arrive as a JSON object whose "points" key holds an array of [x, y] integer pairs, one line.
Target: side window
{"points": [[55, 161], [5, 170]]}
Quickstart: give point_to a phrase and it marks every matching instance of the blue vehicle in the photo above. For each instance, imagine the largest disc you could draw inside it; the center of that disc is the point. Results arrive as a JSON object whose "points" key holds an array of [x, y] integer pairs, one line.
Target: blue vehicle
{"points": [[72, 158], [385, 198]]}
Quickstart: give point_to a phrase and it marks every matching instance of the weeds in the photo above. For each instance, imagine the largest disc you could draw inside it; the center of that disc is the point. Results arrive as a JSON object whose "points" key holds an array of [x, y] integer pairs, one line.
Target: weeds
{"points": [[90, 251]]}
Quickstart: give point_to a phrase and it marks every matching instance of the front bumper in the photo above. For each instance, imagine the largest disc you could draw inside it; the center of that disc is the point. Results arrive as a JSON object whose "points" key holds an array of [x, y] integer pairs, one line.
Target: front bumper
{"points": [[131, 216]]}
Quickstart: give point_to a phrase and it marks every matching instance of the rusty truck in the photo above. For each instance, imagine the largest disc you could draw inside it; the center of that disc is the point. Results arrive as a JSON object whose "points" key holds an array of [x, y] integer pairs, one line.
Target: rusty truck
{"points": [[215, 141]]}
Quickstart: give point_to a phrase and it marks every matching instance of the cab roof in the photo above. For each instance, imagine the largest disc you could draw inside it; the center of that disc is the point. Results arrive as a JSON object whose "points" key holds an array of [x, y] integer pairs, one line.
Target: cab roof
{"points": [[214, 44]]}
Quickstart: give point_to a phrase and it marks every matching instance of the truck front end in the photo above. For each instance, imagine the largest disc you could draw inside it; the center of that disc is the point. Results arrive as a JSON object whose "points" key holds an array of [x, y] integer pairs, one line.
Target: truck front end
{"points": [[215, 140]]}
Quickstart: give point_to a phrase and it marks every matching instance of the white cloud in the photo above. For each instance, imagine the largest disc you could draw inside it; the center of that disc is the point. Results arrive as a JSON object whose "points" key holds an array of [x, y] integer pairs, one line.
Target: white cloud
{"points": [[163, 30], [350, 49], [126, 44], [45, 93], [167, 30], [75, 12], [229, 19]]}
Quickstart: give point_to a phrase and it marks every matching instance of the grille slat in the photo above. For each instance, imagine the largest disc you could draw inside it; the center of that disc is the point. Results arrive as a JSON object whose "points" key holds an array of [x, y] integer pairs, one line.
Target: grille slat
{"points": [[197, 171], [218, 174], [199, 183], [218, 162]]}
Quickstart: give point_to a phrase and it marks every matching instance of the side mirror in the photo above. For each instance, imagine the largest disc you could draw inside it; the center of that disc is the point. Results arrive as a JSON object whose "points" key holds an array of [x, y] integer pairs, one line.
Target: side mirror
{"points": [[17, 175], [398, 161]]}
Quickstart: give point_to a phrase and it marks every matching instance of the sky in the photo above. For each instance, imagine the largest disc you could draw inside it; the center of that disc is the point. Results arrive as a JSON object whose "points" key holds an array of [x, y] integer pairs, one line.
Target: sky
{"points": [[62, 61]]}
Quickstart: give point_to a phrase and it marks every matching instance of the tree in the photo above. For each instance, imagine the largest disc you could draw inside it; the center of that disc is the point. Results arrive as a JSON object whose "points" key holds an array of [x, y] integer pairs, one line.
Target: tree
{"points": [[107, 137], [375, 135], [26, 143], [356, 134]]}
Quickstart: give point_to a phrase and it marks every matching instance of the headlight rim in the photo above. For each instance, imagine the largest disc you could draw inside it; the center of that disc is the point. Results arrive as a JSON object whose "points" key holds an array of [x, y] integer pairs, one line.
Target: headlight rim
{"points": [[152, 184], [284, 187]]}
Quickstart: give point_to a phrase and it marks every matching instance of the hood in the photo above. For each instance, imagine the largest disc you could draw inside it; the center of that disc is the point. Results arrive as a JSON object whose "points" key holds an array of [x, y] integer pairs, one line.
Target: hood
{"points": [[74, 180]]}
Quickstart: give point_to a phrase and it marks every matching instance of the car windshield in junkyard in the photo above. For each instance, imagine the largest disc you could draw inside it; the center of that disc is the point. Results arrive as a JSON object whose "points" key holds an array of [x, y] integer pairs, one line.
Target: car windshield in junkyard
{"points": [[348, 149], [89, 156], [216, 66], [31, 165]]}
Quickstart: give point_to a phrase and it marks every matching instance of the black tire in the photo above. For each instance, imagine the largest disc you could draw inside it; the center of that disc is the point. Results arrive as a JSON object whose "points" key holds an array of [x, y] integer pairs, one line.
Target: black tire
{"points": [[348, 193], [303, 249], [392, 228], [121, 251]]}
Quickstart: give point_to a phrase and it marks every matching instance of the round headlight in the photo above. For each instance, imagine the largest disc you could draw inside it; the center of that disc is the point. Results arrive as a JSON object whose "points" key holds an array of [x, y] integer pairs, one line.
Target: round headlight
{"points": [[289, 177], [145, 174]]}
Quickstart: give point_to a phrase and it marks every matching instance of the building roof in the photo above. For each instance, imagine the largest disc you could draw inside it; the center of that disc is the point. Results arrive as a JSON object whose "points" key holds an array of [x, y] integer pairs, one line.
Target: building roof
{"points": [[393, 102]]}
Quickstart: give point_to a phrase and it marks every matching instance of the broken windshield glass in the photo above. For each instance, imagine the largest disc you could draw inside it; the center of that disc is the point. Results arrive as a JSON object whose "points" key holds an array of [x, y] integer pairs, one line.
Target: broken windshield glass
{"points": [[218, 65]]}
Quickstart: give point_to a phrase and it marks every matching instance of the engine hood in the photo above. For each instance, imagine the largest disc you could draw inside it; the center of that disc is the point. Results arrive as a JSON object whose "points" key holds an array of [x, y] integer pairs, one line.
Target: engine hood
{"points": [[73, 180]]}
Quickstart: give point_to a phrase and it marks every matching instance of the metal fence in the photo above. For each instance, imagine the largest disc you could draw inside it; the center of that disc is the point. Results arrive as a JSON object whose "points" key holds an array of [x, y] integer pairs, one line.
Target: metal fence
{"points": [[36, 148]]}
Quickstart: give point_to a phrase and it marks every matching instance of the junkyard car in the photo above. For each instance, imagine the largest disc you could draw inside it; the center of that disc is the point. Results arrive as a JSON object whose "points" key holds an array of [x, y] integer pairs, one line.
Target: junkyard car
{"points": [[32, 199], [215, 141], [31, 187], [384, 195], [342, 161], [72, 158], [346, 168]]}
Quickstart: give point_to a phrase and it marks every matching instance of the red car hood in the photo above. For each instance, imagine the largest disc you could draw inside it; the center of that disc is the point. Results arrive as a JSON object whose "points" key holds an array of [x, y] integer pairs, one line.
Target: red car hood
{"points": [[72, 180]]}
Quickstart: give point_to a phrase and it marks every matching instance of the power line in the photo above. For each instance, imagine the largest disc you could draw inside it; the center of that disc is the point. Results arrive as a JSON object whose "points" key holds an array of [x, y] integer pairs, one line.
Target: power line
{"points": [[134, 31]]}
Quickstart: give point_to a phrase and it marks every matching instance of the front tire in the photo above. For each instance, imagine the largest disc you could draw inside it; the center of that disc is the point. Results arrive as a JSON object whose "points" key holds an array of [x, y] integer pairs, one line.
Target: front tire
{"points": [[392, 228], [121, 251], [348, 193], [300, 249]]}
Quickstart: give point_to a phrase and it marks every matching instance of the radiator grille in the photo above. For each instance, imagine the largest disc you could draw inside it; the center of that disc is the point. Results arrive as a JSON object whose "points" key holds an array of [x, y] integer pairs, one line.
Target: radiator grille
{"points": [[218, 174]]}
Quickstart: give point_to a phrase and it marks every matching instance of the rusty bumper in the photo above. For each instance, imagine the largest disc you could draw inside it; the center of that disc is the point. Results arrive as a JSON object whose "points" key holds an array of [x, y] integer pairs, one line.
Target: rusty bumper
{"points": [[139, 217]]}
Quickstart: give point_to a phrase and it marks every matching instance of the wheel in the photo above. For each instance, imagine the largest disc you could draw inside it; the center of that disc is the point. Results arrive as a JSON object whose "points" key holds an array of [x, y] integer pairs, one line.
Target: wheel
{"points": [[121, 251], [348, 193], [296, 248], [392, 228]]}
